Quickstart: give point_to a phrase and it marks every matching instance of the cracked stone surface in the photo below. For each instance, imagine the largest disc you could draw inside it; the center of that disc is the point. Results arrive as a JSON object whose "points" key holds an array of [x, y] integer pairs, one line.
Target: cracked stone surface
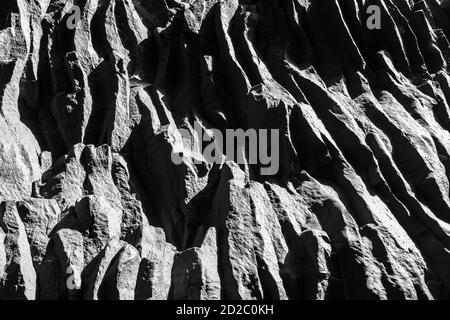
{"points": [[93, 207]]}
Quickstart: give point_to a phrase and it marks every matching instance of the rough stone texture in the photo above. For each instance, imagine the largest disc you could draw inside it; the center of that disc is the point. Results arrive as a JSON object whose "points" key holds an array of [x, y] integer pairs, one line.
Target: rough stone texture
{"points": [[92, 207]]}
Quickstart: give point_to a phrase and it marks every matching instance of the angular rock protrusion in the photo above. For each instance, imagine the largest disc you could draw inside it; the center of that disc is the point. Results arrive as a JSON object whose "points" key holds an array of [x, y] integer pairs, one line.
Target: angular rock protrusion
{"points": [[195, 272], [19, 277]]}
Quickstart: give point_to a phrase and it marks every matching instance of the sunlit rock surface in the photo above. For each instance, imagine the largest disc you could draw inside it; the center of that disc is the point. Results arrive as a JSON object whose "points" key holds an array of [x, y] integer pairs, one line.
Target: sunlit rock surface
{"points": [[93, 207]]}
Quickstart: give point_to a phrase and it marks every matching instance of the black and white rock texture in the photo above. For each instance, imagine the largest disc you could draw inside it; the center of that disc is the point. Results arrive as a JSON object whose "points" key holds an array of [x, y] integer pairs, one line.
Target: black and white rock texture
{"points": [[92, 207]]}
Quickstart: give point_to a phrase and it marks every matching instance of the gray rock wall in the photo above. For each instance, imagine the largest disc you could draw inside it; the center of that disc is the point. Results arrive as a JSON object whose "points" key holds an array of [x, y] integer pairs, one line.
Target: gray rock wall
{"points": [[93, 207]]}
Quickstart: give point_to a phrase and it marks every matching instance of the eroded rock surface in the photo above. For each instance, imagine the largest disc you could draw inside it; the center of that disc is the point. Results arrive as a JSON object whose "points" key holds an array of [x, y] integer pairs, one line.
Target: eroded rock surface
{"points": [[93, 207]]}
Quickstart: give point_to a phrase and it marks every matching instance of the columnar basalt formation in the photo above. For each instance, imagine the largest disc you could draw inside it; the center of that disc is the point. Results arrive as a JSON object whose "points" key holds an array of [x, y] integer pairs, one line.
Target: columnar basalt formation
{"points": [[93, 207]]}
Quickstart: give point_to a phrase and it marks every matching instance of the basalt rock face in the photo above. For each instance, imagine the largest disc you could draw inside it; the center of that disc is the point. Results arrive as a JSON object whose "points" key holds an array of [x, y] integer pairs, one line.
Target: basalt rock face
{"points": [[93, 207]]}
